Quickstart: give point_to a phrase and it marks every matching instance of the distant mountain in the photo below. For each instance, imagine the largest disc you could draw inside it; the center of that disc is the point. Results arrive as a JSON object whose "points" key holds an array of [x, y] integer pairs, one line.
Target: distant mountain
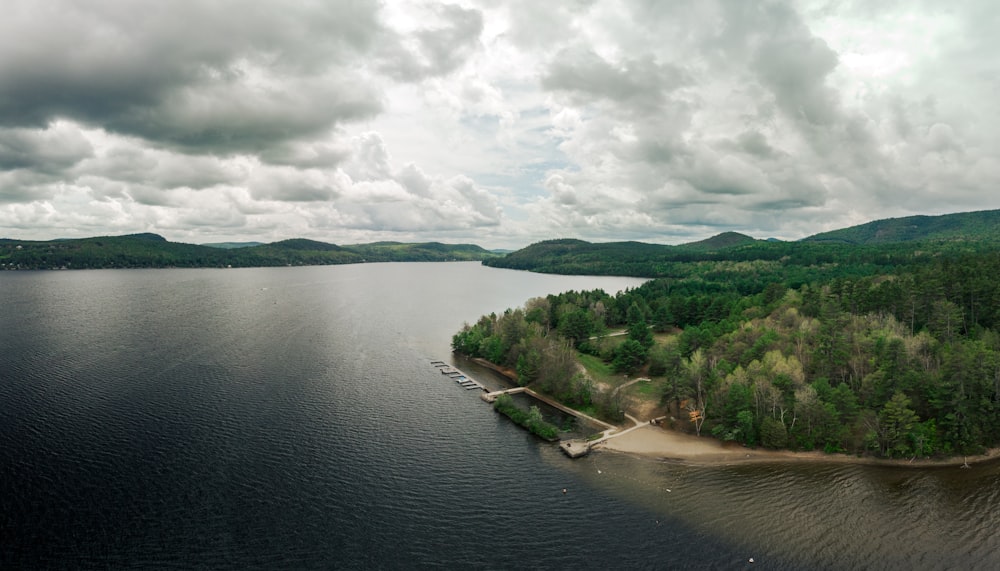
{"points": [[154, 251], [146, 236], [420, 252], [232, 245], [966, 226], [304, 245], [720, 242], [885, 243], [570, 256]]}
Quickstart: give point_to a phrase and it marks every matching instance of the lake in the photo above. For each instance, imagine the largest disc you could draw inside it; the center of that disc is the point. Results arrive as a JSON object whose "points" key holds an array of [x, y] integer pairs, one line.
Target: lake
{"points": [[291, 418]]}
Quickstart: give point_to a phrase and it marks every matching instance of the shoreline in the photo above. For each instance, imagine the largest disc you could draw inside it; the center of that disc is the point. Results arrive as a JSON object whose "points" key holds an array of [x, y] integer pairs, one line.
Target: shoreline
{"points": [[656, 443], [510, 374]]}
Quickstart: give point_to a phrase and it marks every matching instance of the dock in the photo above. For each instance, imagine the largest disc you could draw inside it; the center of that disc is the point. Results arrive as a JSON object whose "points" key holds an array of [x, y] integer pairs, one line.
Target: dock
{"points": [[490, 397], [574, 448], [463, 380], [554, 404]]}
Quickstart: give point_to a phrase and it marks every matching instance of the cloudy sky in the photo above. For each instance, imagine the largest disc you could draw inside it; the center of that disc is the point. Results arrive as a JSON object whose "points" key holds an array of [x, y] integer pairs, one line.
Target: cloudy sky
{"points": [[496, 122]]}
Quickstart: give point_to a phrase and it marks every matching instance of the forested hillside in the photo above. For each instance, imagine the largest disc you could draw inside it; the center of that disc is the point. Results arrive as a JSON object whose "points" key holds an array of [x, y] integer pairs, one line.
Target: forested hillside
{"points": [[424, 252], [153, 251], [894, 361], [966, 226], [885, 244]]}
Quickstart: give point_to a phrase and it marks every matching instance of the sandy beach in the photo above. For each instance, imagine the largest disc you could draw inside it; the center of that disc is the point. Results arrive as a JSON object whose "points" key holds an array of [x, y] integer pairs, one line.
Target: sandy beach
{"points": [[657, 443]]}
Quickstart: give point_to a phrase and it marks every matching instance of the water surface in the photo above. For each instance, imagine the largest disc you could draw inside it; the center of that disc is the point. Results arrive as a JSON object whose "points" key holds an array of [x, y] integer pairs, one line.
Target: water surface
{"points": [[290, 418]]}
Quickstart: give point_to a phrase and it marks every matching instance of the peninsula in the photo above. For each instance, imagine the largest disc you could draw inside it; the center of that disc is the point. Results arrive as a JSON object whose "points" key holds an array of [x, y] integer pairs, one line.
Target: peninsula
{"points": [[881, 348]]}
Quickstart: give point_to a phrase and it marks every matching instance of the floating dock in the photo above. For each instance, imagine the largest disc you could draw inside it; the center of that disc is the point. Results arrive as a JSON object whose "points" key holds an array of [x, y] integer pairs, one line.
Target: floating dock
{"points": [[463, 380]]}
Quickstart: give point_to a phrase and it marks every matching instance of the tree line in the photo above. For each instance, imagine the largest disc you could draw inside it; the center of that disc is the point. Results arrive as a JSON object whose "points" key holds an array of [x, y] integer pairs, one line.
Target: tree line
{"points": [[900, 363], [153, 251]]}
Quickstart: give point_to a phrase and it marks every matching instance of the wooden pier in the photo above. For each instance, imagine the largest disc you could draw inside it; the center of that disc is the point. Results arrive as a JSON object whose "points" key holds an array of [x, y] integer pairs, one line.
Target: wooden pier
{"points": [[490, 397], [570, 411], [574, 448]]}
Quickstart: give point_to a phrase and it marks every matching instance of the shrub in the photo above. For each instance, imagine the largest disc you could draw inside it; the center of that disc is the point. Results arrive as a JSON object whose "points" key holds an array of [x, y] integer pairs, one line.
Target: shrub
{"points": [[532, 420]]}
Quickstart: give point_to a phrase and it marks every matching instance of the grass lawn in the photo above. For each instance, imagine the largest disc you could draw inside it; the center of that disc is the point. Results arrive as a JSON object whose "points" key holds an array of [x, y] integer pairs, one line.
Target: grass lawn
{"points": [[648, 391], [603, 373], [600, 371]]}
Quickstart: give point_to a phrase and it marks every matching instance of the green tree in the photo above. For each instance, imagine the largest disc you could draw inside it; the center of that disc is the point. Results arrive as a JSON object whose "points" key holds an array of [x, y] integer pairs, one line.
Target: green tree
{"points": [[492, 349], [747, 430], [663, 320], [773, 433], [924, 438], [737, 400], [638, 329], [576, 326], [535, 418], [897, 421], [696, 372], [664, 361], [630, 356], [529, 363]]}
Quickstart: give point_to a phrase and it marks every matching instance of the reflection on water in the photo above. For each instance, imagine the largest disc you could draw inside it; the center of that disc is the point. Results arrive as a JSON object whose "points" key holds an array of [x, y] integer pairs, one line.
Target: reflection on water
{"points": [[811, 514], [821, 514], [290, 418]]}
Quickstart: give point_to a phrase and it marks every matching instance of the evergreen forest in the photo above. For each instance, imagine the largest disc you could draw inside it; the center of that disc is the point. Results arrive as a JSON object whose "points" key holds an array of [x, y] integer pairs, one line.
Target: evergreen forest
{"points": [[890, 349], [153, 251]]}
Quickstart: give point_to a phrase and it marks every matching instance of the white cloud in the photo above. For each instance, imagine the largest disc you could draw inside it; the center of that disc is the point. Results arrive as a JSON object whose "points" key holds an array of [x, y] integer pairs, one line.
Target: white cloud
{"points": [[499, 123]]}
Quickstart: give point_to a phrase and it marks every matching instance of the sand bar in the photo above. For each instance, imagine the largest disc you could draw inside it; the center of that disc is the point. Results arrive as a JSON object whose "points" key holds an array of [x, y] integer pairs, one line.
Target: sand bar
{"points": [[661, 444]]}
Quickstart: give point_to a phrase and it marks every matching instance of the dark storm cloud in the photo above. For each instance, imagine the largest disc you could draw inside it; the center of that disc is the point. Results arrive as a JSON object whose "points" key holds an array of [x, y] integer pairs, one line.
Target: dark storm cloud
{"points": [[222, 76], [131, 164], [21, 186], [292, 185], [48, 151]]}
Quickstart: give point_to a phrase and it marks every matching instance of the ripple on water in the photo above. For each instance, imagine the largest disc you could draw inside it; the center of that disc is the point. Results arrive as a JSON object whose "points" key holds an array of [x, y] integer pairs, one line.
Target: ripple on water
{"points": [[196, 419]]}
